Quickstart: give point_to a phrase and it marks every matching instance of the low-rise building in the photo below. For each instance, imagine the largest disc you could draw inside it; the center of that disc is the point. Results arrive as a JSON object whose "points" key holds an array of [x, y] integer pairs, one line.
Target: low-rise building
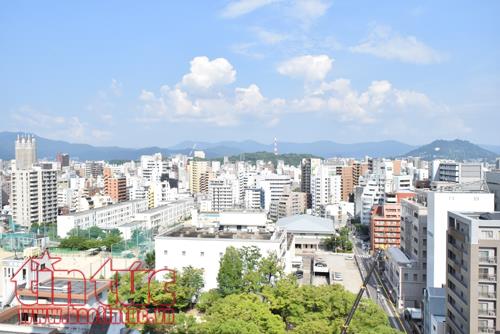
{"points": [[203, 247]]}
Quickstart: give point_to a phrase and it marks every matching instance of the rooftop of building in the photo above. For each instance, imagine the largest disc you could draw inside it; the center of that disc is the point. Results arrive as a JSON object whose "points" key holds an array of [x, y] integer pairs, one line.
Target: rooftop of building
{"points": [[212, 233], [307, 224], [107, 207], [487, 216], [397, 255], [78, 286]]}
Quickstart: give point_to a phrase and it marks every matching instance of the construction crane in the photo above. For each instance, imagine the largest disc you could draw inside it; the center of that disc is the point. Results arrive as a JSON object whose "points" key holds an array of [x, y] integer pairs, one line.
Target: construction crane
{"points": [[361, 292]]}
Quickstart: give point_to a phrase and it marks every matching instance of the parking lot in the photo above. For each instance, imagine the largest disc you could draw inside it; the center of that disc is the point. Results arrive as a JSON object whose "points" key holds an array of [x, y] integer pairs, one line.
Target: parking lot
{"points": [[336, 263]]}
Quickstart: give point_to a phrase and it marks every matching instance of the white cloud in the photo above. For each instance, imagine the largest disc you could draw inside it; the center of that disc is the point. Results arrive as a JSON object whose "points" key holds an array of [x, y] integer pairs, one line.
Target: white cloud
{"points": [[116, 87], [268, 37], [380, 103], [44, 124], [241, 7], [385, 43], [245, 49], [206, 73], [308, 10], [310, 68]]}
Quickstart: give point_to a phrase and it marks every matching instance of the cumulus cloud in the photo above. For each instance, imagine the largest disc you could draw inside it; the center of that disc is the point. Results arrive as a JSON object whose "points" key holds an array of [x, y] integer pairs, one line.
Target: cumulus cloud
{"points": [[310, 68], [385, 43], [337, 100], [238, 8], [206, 73]]}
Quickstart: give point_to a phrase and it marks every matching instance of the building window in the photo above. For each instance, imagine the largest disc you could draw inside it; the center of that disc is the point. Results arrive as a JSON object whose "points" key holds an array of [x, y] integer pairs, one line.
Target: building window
{"points": [[183, 253], [202, 253], [165, 252], [485, 234]]}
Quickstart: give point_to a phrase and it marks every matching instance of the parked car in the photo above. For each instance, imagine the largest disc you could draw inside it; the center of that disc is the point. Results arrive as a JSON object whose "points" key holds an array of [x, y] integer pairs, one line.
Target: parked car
{"points": [[299, 274], [320, 264]]}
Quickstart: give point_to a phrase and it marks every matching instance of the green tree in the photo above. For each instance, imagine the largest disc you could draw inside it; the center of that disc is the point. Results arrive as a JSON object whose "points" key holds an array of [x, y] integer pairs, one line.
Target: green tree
{"points": [[208, 299], [241, 313], [250, 257], [150, 260], [187, 287], [270, 269], [230, 276]]}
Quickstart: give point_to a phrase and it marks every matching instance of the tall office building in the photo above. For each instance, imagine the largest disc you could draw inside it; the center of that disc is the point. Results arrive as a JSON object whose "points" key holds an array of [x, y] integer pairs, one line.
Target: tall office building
{"points": [[473, 245], [25, 152]]}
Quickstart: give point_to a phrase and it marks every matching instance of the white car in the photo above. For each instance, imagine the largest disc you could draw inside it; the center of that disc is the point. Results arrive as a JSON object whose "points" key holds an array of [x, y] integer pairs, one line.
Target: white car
{"points": [[349, 257]]}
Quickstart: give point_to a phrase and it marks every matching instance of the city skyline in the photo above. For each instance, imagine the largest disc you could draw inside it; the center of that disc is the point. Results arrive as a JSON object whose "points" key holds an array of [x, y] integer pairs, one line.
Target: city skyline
{"points": [[250, 69]]}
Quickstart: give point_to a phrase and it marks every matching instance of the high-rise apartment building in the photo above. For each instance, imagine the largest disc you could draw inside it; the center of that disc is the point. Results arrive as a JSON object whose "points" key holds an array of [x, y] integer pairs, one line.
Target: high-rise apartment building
{"points": [[325, 189], [198, 176], [33, 188], [308, 167], [472, 280], [290, 204], [385, 226], [223, 193], [115, 186], [25, 152], [34, 196], [438, 205]]}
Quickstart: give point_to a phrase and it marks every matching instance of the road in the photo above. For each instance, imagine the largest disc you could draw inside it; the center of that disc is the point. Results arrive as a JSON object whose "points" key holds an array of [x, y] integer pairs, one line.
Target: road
{"points": [[381, 297]]}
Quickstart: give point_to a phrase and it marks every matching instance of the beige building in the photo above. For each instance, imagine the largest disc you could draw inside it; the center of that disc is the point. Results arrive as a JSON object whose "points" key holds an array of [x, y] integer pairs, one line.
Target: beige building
{"points": [[290, 204], [198, 176], [472, 296]]}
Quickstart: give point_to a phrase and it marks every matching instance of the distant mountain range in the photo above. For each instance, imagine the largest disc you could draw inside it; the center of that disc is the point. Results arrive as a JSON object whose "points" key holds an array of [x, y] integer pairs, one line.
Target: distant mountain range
{"points": [[48, 148], [453, 149]]}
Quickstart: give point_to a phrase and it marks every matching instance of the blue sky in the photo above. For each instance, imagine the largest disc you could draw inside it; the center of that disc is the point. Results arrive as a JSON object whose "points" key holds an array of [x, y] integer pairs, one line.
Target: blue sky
{"points": [[135, 73]]}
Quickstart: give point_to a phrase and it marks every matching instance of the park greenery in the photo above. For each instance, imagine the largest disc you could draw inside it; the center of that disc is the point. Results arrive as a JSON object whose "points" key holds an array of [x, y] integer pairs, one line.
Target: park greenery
{"points": [[339, 242], [255, 296]]}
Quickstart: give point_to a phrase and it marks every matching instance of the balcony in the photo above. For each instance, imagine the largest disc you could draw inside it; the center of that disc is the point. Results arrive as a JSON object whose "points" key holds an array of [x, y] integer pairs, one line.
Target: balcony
{"points": [[490, 295], [487, 277], [483, 330], [488, 259], [488, 313]]}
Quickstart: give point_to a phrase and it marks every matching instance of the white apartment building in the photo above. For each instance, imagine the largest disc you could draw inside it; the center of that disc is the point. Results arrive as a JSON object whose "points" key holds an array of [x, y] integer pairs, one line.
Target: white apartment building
{"points": [[254, 198], [402, 183], [325, 189], [34, 196], [274, 186], [107, 217], [456, 172], [153, 167], [204, 247], [438, 205], [370, 192], [223, 193]]}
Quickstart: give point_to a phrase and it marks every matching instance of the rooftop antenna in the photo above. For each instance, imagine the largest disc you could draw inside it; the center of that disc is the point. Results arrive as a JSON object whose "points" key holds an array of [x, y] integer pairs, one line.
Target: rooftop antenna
{"points": [[275, 146]]}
